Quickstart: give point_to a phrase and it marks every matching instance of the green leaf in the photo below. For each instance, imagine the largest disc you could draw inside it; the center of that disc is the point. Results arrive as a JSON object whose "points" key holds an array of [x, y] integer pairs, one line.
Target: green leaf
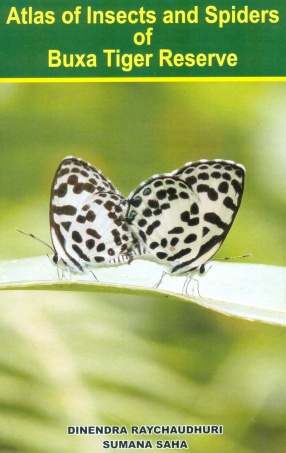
{"points": [[249, 291]]}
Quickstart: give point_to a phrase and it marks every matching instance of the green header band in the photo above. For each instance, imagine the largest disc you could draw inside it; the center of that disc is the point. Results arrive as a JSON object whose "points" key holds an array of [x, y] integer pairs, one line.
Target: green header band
{"points": [[112, 40], [142, 79]]}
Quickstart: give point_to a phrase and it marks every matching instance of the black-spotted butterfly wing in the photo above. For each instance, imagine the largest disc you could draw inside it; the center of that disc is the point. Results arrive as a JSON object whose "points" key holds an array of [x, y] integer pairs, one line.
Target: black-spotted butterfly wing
{"points": [[159, 213], [87, 217], [218, 185], [184, 217]]}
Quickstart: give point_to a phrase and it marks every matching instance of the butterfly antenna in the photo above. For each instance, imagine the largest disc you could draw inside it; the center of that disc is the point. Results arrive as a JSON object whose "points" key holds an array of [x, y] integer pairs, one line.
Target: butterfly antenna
{"points": [[202, 268], [34, 237], [234, 257]]}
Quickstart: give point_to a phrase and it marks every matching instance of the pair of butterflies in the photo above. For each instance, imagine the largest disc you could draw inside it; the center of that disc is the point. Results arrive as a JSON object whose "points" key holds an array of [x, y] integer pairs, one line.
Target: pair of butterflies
{"points": [[179, 219]]}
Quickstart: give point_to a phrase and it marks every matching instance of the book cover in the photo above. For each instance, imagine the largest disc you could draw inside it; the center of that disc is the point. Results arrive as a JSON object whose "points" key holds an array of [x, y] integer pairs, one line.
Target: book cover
{"points": [[139, 89]]}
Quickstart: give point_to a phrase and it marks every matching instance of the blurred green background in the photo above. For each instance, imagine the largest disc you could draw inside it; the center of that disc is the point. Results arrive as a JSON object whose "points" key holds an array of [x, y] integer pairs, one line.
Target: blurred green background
{"points": [[72, 358]]}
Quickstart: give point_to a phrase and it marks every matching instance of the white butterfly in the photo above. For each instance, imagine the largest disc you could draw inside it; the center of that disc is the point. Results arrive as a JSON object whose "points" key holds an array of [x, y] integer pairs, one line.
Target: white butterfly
{"points": [[87, 218], [183, 217]]}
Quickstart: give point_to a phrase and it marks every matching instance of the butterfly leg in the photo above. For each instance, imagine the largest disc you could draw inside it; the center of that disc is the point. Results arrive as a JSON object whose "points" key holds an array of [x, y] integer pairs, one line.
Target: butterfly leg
{"points": [[161, 279], [94, 276], [60, 277], [60, 271], [186, 286]]}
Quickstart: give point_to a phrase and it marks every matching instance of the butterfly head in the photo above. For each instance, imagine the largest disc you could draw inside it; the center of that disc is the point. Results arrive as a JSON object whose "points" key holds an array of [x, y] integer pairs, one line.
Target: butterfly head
{"points": [[55, 259]]}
